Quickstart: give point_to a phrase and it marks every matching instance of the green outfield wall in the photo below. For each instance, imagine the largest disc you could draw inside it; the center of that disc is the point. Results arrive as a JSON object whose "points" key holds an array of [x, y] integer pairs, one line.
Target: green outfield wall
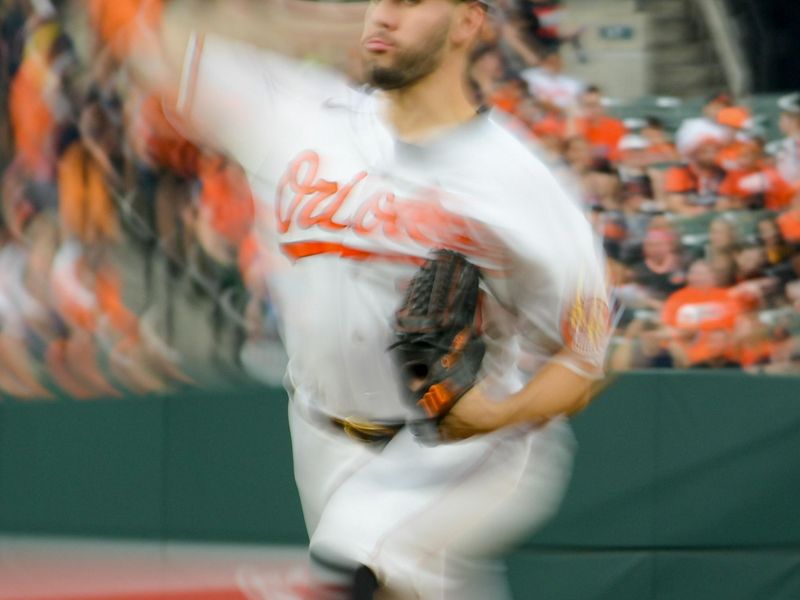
{"points": [[686, 485]]}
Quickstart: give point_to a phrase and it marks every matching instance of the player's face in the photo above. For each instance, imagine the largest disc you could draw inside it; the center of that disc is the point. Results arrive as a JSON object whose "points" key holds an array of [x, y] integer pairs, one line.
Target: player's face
{"points": [[405, 40]]}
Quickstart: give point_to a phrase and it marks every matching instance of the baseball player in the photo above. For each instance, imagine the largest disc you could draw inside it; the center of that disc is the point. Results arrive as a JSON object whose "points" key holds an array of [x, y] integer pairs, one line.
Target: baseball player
{"points": [[362, 185]]}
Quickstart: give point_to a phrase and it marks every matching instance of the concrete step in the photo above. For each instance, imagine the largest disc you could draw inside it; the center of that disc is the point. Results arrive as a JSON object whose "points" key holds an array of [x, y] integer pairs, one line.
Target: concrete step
{"points": [[666, 8], [694, 91], [690, 53], [671, 32], [686, 80]]}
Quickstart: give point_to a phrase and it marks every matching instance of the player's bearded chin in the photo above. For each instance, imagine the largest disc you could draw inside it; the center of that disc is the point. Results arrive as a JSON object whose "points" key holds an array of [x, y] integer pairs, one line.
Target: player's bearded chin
{"points": [[409, 65]]}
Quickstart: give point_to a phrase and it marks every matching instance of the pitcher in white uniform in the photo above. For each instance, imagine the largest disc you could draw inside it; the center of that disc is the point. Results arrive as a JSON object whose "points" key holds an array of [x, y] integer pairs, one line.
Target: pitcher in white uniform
{"points": [[362, 184]]}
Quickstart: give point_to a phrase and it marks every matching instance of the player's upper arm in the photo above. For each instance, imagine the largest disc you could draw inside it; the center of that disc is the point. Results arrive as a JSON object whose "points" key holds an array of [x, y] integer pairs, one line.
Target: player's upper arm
{"points": [[558, 281], [238, 98]]}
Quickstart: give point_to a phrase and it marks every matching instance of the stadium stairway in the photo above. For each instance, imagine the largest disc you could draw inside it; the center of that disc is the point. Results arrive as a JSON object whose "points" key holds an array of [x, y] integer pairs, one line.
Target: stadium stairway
{"points": [[638, 48], [682, 57]]}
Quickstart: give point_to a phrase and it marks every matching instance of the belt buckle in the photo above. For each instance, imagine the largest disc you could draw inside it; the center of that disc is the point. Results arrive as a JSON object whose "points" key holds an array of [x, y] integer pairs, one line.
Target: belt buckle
{"points": [[364, 431]]}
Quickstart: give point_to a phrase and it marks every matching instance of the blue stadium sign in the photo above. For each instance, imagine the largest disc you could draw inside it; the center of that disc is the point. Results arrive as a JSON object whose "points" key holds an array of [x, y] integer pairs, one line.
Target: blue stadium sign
{"points": [[616, 32]]}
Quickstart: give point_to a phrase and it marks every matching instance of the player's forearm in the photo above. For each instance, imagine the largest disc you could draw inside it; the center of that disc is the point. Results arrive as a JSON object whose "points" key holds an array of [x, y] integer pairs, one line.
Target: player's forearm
{"points": [[555, 390]]}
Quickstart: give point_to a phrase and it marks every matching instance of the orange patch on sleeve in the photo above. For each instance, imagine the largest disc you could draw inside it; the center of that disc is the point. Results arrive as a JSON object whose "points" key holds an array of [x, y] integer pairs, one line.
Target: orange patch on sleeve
{"points": [[585, 325]]}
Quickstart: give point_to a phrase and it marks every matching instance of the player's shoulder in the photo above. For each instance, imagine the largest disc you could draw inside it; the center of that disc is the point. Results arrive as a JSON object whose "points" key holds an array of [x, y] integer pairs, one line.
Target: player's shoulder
{"points": [[307, 81], [507, 170], [505, 156], [345, 96]]}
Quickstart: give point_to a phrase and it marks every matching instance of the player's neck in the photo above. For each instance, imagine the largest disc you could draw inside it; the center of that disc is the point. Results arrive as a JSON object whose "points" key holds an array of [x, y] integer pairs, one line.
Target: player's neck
{"points": [[430, 106]]}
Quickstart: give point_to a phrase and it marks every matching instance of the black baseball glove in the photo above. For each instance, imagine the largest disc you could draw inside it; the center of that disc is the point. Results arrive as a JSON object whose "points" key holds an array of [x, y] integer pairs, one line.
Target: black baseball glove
{"points": [[438, 348]]}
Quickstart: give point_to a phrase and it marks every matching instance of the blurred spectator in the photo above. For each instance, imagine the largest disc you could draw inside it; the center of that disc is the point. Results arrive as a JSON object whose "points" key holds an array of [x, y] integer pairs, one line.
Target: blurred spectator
{"points": [[789, 221], [693, 188], [633, 162], [31, 111], [751, 262], [23, 316], [88, 170], [601, 130], [543, 20], [756, 282], [695, 130], [551, 86], [660, 148], [737, 123], [660, 272], [775, 247], [752, 182], [789, 149], [509, 96], [541, 25], [598, 181], [699, 321], [723, 238], [793, 294]]}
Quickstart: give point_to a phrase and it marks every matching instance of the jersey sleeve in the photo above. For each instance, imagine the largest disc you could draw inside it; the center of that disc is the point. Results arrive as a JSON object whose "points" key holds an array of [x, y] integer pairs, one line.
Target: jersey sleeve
{"points": [[557, 282], [234, 96]]}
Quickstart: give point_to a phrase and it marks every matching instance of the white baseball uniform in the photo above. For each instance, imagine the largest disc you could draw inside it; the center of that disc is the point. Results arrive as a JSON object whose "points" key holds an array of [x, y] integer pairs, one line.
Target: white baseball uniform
{"points": [[355, 210]]}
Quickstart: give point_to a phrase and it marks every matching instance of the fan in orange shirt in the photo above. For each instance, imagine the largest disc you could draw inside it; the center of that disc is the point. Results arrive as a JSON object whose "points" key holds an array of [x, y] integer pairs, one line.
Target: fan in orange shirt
{"points": [[507, 96], [31, 116], [701, 318], [754, 183], [86, 208], [660, 149], [601, 130], [735, 122], [694, 187]]}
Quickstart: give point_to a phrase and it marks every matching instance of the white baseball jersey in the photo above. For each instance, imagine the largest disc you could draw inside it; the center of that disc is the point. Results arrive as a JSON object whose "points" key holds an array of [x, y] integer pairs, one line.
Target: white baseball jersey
{"points": [[355, 210]]}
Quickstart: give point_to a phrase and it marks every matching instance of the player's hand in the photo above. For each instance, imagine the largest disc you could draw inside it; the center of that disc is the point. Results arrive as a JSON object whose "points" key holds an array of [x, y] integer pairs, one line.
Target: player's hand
{"points": [[473, 414]]}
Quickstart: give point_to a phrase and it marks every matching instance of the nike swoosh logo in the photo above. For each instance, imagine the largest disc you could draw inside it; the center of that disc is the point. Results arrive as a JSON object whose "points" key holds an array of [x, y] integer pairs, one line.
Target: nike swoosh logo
{"points": [[332, 103]]}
